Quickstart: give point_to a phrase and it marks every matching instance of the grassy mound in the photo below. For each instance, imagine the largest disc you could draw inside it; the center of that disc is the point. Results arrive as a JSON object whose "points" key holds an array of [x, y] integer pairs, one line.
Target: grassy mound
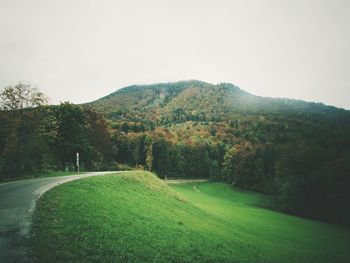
{"points": [[135, 217]]}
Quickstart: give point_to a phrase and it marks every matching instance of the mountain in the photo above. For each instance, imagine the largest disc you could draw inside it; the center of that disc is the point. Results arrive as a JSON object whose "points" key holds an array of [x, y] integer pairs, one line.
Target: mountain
{"points": [[197, 100], [297, 151]]}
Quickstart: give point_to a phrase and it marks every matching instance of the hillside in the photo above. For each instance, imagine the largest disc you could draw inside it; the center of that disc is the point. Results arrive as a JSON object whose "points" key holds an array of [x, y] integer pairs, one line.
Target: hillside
{"points": [[298, 151], [197, 100], [134, 217]]}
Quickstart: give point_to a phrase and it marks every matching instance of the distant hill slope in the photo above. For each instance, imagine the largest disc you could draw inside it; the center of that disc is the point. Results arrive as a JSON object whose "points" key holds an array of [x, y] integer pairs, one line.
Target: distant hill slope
{"points": [[196, 100], [299, 151]]}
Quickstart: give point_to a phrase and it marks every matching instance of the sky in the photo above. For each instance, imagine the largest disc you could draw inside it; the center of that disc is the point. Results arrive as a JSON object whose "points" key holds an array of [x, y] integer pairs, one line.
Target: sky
{"points": [[81, 50]]}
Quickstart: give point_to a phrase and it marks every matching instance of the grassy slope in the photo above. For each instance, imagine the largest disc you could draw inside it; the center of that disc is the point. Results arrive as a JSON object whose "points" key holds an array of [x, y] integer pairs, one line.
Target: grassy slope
{"points": [[136, 218]]}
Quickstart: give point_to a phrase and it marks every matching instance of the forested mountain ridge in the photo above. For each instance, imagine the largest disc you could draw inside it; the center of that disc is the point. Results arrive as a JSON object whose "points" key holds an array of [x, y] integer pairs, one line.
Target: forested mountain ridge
{"points": [[197, 100], [296, 150]]}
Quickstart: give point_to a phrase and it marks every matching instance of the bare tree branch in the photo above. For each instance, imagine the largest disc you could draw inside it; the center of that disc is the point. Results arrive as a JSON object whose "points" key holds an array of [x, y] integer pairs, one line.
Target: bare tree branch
{"points": [[21, 96]]}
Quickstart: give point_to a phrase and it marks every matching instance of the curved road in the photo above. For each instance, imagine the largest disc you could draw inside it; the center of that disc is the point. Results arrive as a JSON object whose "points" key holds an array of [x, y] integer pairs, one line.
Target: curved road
{"points": [[17, 203]]}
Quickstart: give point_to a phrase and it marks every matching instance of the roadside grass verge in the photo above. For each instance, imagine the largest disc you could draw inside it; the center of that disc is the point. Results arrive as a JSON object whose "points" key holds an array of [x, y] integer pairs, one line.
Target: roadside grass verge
{"points": [[41, 174], [54, 173], [135, 217]]}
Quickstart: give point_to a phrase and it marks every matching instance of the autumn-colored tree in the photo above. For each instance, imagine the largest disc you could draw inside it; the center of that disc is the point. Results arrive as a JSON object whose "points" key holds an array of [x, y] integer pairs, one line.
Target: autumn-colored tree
{"points": [[149, 153], [103, 151]]}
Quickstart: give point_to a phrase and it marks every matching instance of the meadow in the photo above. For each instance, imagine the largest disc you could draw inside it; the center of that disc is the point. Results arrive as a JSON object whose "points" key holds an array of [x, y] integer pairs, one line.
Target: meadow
{"points": [[135, 217]]}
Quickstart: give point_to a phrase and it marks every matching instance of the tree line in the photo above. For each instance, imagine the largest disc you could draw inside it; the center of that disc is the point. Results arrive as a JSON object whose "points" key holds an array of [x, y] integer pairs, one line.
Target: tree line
{"points": [[305, 180], [36, 137]]}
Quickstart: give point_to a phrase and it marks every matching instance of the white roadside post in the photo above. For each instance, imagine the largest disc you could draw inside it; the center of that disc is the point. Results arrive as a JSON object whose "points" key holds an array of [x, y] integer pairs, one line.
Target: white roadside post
{"points": [[78, 161]]}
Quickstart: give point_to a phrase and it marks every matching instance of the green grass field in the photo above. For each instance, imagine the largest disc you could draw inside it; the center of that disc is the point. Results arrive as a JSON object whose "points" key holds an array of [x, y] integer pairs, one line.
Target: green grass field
{"points": [[135, 217]]}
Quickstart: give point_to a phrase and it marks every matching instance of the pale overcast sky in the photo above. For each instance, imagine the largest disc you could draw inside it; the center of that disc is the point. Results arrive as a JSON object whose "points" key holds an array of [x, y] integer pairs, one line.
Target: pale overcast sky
{"points": [[80, 50]]}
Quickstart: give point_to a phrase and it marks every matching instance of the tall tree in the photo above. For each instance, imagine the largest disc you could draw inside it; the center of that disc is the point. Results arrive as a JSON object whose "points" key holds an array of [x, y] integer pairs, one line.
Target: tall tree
{"points": [[23, 142], [103, 150], [149, 153], [21, 96], [69, 135]]}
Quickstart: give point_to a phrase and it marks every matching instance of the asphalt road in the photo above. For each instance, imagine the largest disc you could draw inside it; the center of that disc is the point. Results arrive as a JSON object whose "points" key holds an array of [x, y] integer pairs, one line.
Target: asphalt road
{"points": [[17, 203]]}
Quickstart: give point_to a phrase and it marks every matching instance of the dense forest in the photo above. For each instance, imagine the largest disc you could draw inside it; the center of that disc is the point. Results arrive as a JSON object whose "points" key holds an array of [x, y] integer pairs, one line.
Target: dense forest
{"points": [[298, 152], [36, 137]]}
